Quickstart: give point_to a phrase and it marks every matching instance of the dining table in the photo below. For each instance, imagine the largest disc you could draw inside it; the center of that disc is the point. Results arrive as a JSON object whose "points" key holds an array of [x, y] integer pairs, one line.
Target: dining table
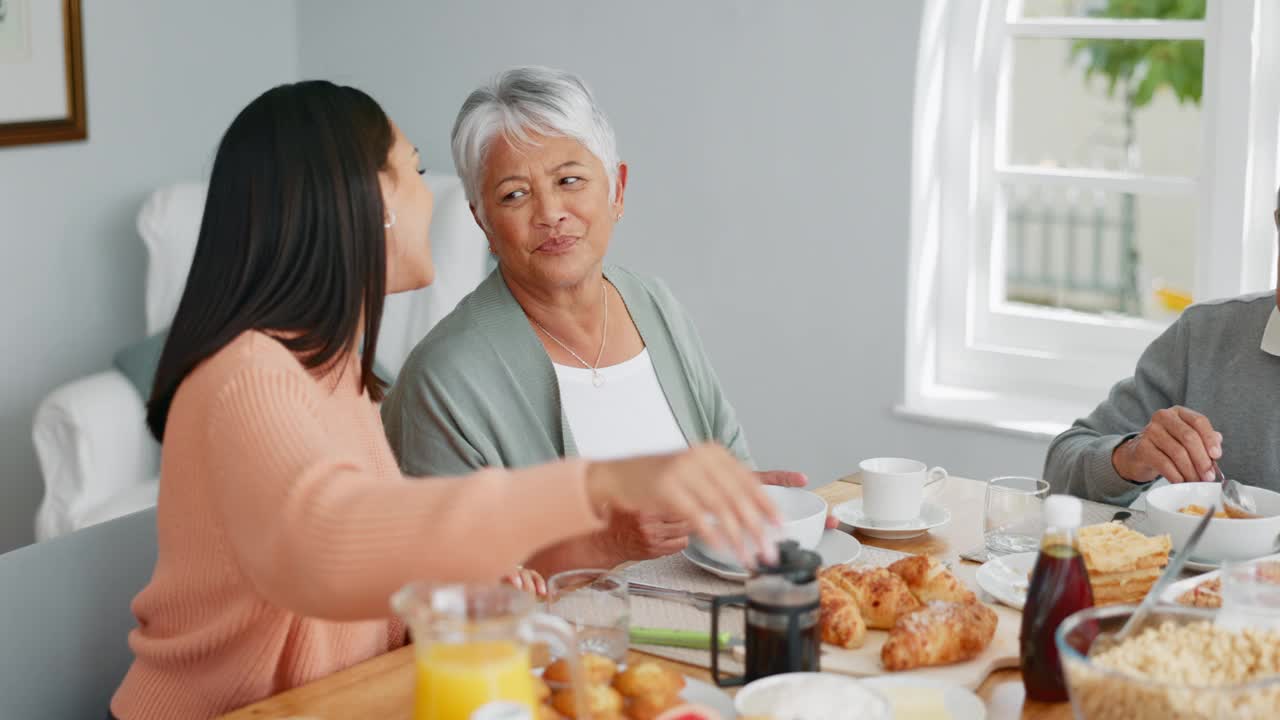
{"points": [[382, 687]]}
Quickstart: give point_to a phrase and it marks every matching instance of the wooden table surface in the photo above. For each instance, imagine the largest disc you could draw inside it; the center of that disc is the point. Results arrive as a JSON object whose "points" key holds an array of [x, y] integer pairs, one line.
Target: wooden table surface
{"points": [[383, 687]]}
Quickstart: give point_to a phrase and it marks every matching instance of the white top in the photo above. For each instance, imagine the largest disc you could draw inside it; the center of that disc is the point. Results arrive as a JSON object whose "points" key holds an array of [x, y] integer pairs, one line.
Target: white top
{"points": [[627, 415]]}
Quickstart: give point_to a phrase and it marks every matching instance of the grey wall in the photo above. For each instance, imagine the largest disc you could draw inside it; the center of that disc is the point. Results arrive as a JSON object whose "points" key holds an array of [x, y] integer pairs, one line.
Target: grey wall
{"points": [[769, 145], [164, 80]]}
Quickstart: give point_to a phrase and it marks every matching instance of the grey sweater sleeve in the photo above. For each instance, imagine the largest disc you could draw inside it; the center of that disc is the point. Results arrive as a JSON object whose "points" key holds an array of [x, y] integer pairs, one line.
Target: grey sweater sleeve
{"points": [[724, 421], [725, 428], [423, 424], [1079, 460]]}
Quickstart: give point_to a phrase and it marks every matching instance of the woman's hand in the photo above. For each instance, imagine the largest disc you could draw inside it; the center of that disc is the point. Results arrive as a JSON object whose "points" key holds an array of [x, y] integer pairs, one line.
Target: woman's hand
{"points": [[787, 478], [528, 580], [705, 486], [782, 478], [643, 537]]}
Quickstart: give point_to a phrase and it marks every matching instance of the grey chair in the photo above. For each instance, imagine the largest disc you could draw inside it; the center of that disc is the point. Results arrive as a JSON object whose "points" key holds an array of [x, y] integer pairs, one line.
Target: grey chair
{"points": [[65, 619]]}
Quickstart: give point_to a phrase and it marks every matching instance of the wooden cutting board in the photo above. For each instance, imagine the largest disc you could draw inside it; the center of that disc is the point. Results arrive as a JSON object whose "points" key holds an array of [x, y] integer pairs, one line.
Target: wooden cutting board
{"points": [[1001, 653]]}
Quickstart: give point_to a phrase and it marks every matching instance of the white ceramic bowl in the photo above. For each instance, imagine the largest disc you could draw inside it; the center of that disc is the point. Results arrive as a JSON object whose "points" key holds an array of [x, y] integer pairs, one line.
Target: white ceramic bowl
{"points": [[1225, 538], [768, 697], [804, 518]]}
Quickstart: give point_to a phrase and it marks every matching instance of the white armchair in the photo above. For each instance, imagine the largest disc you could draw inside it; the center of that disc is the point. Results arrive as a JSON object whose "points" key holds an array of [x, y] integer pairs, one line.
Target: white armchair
{"points": [[96, 456]]}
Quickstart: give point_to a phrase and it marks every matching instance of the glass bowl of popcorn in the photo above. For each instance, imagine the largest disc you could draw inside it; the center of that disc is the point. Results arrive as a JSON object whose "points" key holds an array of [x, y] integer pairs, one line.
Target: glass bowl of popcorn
{"points": [[1183, 664]]}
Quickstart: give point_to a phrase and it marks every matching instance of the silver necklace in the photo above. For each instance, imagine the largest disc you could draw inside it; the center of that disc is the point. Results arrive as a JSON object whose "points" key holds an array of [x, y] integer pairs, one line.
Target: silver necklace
{"points": [[596, 378]]}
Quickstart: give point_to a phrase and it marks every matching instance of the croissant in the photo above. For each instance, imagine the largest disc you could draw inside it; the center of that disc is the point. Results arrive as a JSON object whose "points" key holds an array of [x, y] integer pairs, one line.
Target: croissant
{"points": [[840, 620], [930, 580], [882, 596], [939, 634]]}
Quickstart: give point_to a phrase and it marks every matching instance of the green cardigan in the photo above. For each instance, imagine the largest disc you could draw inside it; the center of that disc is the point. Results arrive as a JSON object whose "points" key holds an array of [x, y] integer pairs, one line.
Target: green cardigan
{"points": [[479, 390]]}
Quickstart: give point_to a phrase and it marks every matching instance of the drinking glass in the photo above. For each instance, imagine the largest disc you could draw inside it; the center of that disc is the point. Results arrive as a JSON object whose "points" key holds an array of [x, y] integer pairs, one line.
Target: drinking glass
{"points": [[1251, 594], [1012, 521], [597, 604]]}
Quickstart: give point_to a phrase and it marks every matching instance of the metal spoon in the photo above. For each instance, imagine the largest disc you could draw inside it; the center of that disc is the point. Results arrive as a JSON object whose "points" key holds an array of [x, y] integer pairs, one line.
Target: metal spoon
{"points": [[1235, 503]]}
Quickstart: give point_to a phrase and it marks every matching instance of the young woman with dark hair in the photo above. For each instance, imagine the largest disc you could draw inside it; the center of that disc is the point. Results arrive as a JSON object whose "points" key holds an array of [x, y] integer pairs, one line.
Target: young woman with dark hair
{"points": [[284, 524]]}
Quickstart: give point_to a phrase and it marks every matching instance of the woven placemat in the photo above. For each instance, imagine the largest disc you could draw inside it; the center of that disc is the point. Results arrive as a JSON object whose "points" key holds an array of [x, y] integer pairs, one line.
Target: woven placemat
{"points": [[678, 573], [1094, 512]]}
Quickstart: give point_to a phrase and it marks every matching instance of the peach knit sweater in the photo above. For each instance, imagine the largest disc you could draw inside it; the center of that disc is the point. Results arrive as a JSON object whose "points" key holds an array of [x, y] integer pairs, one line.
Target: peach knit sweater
{"points": [[284, 527]]}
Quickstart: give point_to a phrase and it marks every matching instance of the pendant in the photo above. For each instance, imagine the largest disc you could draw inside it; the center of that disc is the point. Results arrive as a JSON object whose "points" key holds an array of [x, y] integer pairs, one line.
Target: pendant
{"points": [[596, 379]]}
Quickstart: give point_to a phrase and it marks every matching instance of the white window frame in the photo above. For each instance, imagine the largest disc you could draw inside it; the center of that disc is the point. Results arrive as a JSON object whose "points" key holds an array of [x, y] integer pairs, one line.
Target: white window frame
{"points": [[971, 356]]}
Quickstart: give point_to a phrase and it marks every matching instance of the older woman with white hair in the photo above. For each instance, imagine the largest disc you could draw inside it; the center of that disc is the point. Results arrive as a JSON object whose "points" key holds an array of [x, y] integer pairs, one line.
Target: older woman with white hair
{"points": [[557, 353]]}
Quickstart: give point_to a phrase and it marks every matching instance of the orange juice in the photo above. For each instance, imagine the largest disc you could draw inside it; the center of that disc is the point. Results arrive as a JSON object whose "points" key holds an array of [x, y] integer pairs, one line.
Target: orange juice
{"points": [[456, 679]]}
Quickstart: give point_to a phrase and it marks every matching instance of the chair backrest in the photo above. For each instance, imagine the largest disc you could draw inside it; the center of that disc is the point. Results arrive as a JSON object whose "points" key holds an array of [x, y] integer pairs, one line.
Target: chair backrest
{"points": [[461, 255], [169, 223], [65, 618]]}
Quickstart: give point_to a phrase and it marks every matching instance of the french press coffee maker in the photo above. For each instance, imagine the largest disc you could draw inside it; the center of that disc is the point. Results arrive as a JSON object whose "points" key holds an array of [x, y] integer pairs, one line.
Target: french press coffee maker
{"points": [[782, 605]]}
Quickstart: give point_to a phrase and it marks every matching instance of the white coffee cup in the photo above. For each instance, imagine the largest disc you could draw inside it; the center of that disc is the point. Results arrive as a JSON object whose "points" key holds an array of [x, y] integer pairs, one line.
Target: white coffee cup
{"points": [[893, 489]]}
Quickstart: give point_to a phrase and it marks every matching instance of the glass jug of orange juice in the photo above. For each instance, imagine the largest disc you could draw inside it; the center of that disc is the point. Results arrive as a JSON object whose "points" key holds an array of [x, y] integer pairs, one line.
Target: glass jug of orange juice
{"points": [[471, 647]]}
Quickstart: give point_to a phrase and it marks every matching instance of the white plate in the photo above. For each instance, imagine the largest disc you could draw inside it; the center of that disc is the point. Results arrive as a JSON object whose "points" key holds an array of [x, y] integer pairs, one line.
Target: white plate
{"points": [[836, 548], [1006, 578], [1194, 565], [1197, 566], [1171, 593], [932, 515], [960, 703], [697, 692]]}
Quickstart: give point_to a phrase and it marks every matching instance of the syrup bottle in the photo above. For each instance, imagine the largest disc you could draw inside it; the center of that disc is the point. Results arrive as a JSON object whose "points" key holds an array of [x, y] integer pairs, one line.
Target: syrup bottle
{"points": [[1059, 587]]}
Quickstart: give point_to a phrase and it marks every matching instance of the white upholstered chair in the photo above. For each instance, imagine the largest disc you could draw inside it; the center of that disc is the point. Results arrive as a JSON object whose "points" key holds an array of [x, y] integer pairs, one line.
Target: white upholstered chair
{"points": [[96, 456]]}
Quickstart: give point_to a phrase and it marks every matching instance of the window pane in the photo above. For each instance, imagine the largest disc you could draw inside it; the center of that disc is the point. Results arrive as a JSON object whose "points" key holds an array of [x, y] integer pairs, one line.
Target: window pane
{"points": [[1099, 252], [1120, 9], [1062, 115]]}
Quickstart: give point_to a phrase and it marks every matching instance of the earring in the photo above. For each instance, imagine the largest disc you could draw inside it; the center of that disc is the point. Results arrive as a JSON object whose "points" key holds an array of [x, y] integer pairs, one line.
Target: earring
{"points": [[619, 217], [391, 220]]}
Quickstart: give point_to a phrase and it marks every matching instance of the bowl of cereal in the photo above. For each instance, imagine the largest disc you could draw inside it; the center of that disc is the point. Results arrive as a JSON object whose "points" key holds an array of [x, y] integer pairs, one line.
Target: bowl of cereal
{"points": [[1181, 665], [1176, 509]]}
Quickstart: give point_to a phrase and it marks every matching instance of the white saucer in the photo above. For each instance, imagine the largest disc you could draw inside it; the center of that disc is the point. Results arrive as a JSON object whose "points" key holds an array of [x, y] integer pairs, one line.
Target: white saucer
{"points": [[698, 692], [959, 702], [932, 516], [1006, 578], [836, 548]]}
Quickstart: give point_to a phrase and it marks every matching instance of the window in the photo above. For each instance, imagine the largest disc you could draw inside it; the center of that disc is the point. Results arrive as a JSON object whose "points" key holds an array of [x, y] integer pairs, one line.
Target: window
{"points": [[1082, 170]]}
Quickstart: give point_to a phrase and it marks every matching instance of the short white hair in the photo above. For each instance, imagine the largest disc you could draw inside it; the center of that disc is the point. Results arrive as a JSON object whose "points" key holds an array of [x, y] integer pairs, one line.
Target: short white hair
{"points": [[529, 99]]}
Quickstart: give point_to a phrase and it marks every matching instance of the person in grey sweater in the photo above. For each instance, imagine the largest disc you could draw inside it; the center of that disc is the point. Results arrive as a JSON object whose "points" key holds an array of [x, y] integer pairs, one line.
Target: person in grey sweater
{"points": [[1202, 392]]}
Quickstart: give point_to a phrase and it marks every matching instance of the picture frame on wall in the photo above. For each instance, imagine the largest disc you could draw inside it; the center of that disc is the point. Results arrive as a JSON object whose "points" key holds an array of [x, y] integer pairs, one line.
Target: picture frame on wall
{"points": [[41, 72]]}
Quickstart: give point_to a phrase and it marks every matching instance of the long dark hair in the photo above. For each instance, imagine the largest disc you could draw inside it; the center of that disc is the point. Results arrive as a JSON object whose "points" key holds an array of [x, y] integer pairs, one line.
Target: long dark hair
{"points": [[292, 239]]}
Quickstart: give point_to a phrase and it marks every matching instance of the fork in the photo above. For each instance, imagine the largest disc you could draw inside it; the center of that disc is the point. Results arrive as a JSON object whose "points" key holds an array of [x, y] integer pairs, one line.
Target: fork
{"points": [[699, 600]]}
